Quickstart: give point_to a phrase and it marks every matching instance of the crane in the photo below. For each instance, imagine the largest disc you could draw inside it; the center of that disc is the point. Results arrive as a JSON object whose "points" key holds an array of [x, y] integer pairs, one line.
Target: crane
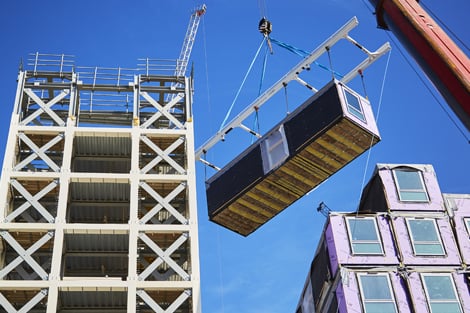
{"points": [[444, 63], [188, 43]]}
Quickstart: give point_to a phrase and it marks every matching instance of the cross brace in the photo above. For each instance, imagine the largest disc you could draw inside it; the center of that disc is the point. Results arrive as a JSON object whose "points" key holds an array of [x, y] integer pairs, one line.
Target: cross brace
{"points": [[163, 203], [172, 308], [163, 256], [162, 155]]}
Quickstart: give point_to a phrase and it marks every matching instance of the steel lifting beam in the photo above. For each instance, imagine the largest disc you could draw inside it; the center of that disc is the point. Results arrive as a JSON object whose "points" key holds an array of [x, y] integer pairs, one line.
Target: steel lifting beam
{"points": [[342, 33]]}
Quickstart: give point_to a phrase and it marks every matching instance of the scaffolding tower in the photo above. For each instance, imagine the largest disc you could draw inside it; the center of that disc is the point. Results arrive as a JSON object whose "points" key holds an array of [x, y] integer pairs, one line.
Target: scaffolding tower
{"points": [[98, 191]]}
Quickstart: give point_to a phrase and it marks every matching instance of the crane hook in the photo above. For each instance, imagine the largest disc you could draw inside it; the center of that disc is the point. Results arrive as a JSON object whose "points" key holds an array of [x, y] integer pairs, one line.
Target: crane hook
{"points": [[265, 27]]}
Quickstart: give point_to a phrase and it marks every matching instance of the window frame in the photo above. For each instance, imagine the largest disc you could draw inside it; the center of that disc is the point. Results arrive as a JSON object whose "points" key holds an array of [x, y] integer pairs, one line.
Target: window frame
{"points": [[356, 112], [413, 242], [399, 190], [454, 288], [466, 221], [352, 241], [390, 288], [268, 146]]}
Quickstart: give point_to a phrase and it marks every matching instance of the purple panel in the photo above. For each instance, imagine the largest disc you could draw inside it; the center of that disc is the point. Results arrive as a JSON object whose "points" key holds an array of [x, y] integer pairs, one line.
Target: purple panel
{"points": [[343, 249], [400, 291], [462, 290], [369, 122], [342, 308], [330, 242], [406, 248], [434, 192], [460, 205], [351, 294], [417, 293]]}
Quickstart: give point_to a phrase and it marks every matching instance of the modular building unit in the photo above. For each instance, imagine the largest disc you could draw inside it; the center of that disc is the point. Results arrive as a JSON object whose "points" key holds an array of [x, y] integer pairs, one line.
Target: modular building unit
{"points": [[329, 130]]}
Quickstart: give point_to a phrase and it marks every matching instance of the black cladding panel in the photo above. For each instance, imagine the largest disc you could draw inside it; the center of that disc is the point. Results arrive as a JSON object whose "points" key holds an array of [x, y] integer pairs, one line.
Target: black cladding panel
{"points": [[315, 115], [234, 180]]}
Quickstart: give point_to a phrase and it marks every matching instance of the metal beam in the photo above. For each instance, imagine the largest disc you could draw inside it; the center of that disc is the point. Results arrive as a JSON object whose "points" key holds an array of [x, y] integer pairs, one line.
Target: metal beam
{"points": [[163, 256], [163, 203], [161, 110], [25, 255], [162, 155], [44, 107], [31, 201], [39, 152]]}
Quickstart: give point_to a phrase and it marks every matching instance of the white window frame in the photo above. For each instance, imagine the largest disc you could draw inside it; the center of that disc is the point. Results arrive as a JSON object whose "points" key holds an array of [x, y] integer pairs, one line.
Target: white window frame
{"points": [[267, 146], [352, 242], [413, 242], [399, 191], [429, 301], [358, 113], [466, 221], [390, 288]]}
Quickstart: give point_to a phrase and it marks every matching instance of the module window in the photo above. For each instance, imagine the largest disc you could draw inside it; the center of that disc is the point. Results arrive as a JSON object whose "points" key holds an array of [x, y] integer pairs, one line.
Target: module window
{"points": [[441, 293], [376, 293], [274, 150], [354, 105], [364, 235], [425, 237], [410, 185], [467, 224]]}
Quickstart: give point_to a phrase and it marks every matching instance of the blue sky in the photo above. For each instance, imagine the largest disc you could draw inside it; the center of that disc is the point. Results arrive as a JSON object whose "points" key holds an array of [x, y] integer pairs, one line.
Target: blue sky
{"points": [[264, 272]]}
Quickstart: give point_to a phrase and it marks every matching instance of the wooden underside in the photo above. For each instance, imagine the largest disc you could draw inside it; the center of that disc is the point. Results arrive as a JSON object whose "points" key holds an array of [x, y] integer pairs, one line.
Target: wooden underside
{"points": [[311, 166]]}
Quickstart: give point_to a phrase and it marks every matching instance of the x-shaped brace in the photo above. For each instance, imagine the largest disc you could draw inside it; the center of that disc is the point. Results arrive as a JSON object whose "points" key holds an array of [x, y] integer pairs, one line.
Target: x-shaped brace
{"points": [[31, 200], [156, 308], [39, 152], [27, 307], [161, 110], [25, 255], [162, 155], [163, 256], [163, 203], [45, 107]]}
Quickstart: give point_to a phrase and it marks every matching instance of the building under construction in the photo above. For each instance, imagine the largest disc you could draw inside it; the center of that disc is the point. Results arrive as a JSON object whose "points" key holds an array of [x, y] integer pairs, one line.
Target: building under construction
{"points": [[98, 191]]}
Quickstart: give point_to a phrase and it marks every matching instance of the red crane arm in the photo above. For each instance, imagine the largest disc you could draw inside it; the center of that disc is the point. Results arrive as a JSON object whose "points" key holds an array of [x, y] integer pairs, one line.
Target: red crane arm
{"points": [[445, 64]]}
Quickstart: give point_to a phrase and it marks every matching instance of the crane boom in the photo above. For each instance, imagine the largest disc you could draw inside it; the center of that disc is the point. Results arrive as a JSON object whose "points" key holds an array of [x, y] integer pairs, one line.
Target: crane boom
{"points": [[183, 60], [189, 40], [445, 64]]}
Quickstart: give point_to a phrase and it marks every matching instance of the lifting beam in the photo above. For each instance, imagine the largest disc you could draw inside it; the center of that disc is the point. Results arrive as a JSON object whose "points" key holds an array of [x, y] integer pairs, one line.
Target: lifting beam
{"points": [[293, 74]]}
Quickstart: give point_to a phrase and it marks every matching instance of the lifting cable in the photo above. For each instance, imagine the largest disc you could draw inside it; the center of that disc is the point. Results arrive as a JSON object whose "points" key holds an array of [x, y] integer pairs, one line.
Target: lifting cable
{"points": [[263, 72], [431, 92], [371, 142], [303, 54], [287, 99], [331, 64], [445, 26], [376, 122], [363, 83], [242, 84]]}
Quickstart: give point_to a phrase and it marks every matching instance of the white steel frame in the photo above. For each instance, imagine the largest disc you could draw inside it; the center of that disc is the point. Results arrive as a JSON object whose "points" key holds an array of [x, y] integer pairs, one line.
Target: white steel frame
{"points": [[46, 281]]}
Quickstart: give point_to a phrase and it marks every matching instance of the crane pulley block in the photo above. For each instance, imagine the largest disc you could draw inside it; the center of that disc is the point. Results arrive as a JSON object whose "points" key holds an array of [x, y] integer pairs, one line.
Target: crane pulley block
{"points": [[265, 27]]}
